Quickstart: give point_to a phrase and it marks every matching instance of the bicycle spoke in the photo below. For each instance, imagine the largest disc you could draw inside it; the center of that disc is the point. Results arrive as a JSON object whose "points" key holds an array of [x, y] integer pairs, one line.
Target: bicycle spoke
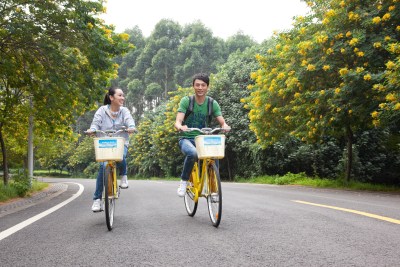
{"points": [[214, 198], [109, 197], [190, 199]]}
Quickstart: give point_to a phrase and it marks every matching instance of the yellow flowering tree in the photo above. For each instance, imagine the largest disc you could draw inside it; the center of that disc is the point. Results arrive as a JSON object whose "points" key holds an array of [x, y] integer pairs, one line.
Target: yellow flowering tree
{"points": [[329, 75]]}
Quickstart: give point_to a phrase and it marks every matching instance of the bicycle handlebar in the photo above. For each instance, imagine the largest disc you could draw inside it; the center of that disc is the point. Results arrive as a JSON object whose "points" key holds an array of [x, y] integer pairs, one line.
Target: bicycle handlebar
{"points": [[107, 132], [208, 130]]}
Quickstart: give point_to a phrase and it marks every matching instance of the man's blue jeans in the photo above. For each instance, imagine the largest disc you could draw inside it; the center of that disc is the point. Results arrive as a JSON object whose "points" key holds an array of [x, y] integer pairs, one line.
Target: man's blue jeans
{"points": [[122, 167], [188, 148]]}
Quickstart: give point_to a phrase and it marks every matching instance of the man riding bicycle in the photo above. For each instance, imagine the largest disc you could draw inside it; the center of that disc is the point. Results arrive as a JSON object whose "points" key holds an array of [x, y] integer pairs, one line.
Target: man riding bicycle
{"points": [[193, 113]]}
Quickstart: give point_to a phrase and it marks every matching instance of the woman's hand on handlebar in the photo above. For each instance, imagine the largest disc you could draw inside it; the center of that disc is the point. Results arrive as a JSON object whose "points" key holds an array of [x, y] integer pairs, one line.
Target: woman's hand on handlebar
{"points": [[131, 130], [90, 132]]}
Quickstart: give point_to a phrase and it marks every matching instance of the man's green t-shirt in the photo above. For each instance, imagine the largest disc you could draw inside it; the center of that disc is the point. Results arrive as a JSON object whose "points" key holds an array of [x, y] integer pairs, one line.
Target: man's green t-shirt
{"points": [[198, 118]]}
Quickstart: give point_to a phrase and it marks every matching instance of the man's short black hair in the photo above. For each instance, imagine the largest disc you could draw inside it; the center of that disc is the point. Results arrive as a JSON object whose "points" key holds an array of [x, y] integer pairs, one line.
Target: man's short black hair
{"points": [[201, 76]]}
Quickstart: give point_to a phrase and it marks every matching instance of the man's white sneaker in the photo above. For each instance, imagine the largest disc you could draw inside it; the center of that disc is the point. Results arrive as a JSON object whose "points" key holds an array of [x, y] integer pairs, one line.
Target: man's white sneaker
{"points": [[214, 198], [182, 188], [96, 207], [124, 182]]}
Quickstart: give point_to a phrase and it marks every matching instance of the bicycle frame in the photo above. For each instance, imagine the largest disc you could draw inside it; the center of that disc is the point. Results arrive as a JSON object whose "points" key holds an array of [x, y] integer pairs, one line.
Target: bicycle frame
{"points": [[113, 166], [201, 178]]}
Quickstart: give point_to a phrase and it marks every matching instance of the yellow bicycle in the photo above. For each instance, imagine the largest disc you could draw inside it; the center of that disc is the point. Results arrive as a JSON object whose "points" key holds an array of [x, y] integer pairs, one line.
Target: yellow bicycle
{"points": [[109, 148], [204, 180]]}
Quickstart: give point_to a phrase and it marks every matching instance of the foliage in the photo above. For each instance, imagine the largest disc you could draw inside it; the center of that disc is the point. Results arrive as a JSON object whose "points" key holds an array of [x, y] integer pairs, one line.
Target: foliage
{"points": [[303, 180], [12, 190], [83, 155], [228, 86], [56, 57], [155, 148], [324, 77]]}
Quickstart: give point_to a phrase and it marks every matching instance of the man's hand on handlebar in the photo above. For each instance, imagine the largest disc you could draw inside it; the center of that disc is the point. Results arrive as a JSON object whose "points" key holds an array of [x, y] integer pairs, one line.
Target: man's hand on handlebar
{"points": [[183, 128]]}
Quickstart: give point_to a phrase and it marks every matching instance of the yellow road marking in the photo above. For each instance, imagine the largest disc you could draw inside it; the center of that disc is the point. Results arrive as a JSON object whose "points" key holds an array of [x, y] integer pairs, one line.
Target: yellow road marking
{"points": [[352, 211]]}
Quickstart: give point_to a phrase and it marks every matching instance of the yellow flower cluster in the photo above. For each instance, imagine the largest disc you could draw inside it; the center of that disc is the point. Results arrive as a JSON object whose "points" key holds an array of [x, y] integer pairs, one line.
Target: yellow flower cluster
{"points": [[353, 41], [326, 67], [343, 71], [367, 77], [322, 38], [391, 97], [353, 16], [329, 51], [390, 65], [386, 17], [376, 20], [330, 13], [310, 67], [377, 45]]}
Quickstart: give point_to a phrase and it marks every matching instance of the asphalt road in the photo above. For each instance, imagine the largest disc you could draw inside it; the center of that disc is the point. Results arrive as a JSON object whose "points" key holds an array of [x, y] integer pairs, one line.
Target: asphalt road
{"points": [[261, 225]]}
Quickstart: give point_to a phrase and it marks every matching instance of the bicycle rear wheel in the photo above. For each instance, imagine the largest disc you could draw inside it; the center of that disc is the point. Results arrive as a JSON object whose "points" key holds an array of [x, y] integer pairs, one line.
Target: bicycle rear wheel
{"points": [[109, 199], [214, 198], [190, 198]]}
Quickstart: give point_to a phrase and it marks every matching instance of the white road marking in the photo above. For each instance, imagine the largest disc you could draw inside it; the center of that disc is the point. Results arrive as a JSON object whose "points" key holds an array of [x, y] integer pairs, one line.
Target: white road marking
{"points": [[29, 221]]}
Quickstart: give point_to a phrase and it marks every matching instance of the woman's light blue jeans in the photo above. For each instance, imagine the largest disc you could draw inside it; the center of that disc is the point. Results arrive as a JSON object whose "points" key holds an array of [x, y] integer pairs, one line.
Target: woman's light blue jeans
{"points": [[122, 167]]}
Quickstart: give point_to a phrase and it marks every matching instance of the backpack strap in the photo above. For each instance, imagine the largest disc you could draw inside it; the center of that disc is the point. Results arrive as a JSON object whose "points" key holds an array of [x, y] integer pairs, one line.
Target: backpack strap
{"points": [[210, 110], [190, 107]]}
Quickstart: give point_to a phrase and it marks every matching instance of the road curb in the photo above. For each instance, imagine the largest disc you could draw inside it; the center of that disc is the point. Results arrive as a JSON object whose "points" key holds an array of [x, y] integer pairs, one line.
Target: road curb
{"points": [[50, 192]]}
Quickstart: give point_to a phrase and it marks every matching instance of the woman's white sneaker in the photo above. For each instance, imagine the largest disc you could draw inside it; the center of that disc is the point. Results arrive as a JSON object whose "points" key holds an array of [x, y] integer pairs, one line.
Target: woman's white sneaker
{"points": [[124, 182]]}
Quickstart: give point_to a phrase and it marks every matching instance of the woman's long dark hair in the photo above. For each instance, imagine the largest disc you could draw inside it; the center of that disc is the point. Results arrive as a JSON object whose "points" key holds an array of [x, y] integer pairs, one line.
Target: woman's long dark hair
{"points": [[111, 92]]}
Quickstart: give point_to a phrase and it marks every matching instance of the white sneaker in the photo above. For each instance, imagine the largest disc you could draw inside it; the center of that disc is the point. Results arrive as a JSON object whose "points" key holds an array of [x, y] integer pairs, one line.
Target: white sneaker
{"points": [[182, 188], [214, 198], [124, 182], [96, 207]]}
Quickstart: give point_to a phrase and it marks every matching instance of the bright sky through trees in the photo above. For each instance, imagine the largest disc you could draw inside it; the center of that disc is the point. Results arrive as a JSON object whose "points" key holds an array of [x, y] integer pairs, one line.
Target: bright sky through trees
{"points": [[257, 18]]}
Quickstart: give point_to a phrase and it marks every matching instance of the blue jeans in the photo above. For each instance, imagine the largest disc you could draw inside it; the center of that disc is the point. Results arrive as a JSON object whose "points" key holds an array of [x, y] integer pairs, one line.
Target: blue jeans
{"points": [[188, 148], [99, 181]]}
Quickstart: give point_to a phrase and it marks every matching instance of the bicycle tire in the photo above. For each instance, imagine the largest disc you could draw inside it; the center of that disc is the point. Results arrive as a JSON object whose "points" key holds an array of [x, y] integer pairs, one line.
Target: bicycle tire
{"points": [[214, 198], [109, 199], [190, 196]]}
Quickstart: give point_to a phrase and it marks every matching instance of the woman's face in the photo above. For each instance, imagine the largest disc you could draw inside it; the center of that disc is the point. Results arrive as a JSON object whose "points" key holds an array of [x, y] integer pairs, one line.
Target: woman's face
{"points": [[118, 98]]}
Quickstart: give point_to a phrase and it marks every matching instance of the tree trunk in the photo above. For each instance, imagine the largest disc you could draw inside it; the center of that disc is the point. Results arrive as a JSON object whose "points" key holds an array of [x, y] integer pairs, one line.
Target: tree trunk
{"points": [[349, 165], [5, 163]]}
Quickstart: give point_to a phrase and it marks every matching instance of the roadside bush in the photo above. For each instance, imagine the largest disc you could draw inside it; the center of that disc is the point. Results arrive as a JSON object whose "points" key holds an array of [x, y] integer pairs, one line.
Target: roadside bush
{"points": [[21, 183]]}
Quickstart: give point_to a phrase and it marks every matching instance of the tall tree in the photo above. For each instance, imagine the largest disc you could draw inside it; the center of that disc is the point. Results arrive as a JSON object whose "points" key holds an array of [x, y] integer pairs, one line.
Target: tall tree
{"points": [[56, 54]]}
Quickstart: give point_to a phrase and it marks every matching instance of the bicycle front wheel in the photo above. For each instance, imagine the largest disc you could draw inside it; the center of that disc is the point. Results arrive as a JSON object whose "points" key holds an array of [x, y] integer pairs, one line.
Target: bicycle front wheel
{"points": [[109, 200], [191, 196], [214, 198]]}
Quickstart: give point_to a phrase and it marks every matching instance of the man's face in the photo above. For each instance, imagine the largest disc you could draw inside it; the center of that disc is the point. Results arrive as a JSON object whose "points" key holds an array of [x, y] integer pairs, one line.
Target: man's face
{"points": [[200, 87]]}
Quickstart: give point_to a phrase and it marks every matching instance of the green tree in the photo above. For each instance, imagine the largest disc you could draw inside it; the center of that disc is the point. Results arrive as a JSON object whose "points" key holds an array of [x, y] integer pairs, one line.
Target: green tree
{"points": [[199, 51], [56, 57]]}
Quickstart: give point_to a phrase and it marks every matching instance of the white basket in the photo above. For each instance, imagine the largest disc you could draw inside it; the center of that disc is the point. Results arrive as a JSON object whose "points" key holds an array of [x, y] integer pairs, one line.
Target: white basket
{"points": [[210, 146], [109, 148]]}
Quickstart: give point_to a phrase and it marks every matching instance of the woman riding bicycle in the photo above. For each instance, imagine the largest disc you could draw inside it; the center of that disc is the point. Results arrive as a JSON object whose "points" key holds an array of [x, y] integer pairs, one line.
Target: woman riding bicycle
{"points": [[196, 119], [112, 116]]}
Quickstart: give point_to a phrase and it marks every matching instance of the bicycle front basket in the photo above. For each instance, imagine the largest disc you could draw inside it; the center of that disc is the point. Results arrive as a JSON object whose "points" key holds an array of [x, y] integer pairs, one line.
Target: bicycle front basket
{"points": [[109, 148], [210, 146]]}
